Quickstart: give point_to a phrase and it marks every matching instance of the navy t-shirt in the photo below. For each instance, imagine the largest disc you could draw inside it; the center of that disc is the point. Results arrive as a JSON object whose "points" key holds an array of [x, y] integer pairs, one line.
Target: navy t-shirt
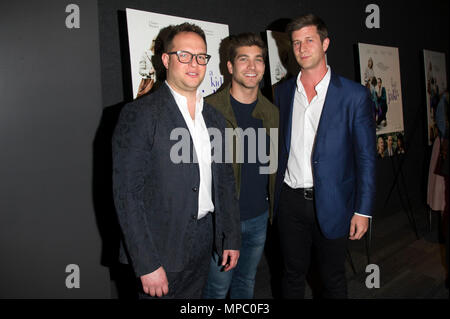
{"points": [[253, 199]]}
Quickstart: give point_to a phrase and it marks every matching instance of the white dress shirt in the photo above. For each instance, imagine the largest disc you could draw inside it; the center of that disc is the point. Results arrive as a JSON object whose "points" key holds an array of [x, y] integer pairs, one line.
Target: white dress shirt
{"points": [[202, 147], [305, 121]]}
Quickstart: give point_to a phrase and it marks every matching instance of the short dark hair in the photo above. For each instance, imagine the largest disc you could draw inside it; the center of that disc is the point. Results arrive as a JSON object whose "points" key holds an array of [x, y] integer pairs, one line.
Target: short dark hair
{"points": [[243, 40], [306, 21], [184, 27]]}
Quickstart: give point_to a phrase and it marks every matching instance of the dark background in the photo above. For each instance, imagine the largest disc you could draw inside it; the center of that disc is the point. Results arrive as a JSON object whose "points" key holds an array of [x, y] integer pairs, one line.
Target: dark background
{"points": [[61, 90]]}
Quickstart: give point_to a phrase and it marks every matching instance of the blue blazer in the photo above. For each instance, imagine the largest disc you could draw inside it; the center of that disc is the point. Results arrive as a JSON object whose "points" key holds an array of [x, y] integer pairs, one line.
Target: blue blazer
{"points": [[344, 153], [156, 199]]}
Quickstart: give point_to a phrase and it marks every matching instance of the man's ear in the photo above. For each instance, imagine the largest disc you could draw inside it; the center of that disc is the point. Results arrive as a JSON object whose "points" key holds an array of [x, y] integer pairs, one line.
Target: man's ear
{"points": [[325, 44], [165, 60], [230, 67]]}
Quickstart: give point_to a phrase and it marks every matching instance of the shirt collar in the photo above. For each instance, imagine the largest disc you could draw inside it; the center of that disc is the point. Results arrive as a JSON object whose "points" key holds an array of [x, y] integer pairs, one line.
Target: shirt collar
{"points": [[182, 100], [321, 87]]}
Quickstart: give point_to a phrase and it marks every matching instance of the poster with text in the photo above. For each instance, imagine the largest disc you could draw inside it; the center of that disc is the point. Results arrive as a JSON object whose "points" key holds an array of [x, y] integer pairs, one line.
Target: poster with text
{"points": [[143, 30], [380, 73], [435, 84]]}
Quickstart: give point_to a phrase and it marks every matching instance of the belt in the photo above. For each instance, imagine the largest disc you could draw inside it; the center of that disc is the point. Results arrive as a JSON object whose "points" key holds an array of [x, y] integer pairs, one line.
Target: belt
{"points": [[308, 193]]}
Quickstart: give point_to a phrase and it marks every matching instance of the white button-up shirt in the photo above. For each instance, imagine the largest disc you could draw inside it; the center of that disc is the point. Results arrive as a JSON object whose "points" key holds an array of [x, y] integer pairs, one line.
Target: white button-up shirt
{"points": [[202, 147], [305, 121]]}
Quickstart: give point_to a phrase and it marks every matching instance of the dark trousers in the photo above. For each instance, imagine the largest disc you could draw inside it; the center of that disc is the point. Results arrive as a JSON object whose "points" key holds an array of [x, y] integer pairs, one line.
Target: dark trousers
{"points": [[299, 233], [189, 283]]}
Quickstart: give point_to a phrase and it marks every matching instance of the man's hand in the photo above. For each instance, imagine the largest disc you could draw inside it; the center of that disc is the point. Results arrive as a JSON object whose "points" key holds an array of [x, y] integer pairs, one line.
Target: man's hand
{"points": [[358, 227], [233, 256], [155, 283]]}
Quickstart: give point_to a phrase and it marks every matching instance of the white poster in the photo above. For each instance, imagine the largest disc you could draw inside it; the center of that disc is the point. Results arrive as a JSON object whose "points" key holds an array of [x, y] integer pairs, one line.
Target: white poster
{"points": [[380, 72], [436, 84], [144, 27]]}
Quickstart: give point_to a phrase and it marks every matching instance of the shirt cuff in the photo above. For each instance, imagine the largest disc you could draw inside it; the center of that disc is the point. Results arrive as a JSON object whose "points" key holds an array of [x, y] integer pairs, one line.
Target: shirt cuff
{"points": [[363, 215]]}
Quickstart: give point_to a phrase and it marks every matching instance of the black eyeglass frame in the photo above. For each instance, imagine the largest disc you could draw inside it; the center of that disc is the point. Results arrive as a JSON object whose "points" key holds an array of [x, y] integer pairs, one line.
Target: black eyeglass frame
{"points": [[208, 57]]}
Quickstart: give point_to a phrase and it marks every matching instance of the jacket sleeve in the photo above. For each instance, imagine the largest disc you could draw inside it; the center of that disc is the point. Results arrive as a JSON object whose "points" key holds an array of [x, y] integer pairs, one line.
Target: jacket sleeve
{"points": [[131, 145], [364, 142], [231, 227], [230, 224]]}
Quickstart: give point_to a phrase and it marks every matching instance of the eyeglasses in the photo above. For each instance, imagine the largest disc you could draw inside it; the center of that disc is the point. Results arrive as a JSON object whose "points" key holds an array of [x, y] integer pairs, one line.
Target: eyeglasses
{"points": [[186, 57]]}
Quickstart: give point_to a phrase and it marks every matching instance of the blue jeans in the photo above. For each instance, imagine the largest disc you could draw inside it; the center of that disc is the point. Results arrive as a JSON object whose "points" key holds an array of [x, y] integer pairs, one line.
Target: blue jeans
{"points": [[240, 281]]}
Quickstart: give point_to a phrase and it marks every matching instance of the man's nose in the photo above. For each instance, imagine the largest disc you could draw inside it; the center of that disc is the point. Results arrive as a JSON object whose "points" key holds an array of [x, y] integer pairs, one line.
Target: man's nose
{"points": [[193, 61]]}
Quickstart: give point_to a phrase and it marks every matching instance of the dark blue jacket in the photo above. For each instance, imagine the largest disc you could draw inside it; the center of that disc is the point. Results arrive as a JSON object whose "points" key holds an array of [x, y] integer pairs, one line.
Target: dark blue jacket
{"points": [[157, 200], [343, 157]]}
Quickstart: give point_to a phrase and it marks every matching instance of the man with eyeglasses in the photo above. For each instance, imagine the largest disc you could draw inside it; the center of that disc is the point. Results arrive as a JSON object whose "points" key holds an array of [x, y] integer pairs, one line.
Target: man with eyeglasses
{"points": [[171, 212]]}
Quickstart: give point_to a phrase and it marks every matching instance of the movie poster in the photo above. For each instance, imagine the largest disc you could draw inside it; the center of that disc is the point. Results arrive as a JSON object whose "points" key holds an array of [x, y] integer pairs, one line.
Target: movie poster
{"points": [[390, 144], [282, 61], [143, 30], [380, 73], [435, 84]]}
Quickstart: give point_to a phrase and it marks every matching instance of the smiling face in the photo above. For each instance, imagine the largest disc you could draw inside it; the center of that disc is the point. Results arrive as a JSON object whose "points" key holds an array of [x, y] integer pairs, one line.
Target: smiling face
{"points": [[248, 67], [308, 49], [185, 78]]}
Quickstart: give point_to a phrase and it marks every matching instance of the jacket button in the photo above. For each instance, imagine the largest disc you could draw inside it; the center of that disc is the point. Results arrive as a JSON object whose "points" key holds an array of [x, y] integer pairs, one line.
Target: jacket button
{"points": [[194, 189], [194, 217]]}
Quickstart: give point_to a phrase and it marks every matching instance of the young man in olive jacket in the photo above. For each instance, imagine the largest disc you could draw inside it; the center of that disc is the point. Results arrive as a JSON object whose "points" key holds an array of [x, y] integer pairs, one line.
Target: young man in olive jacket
{"points": [[254, 122]]}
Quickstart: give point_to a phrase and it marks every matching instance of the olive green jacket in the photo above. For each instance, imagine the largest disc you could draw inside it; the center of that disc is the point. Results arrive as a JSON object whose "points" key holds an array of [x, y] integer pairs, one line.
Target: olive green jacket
{"points": [[265, 111]]}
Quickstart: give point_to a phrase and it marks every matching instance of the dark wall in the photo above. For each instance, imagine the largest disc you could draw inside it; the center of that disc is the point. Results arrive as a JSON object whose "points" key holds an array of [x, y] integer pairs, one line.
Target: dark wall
{"points": [[50, 106], [55, 199]]}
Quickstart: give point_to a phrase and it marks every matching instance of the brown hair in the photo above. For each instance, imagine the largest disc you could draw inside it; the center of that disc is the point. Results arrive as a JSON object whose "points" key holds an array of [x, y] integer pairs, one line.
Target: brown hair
{"points": [[243, 40], [306, 21], [184, 27]]}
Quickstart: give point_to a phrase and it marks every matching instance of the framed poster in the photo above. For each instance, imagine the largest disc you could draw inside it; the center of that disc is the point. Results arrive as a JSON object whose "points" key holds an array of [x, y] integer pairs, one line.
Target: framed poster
{"points": [[143, 30], [435, 85], [380, 73]]}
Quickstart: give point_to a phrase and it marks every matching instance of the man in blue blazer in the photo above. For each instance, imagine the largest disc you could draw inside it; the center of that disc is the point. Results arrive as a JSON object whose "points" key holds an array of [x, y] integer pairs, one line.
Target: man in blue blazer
{"points": [[172, 207], [325, 185]]}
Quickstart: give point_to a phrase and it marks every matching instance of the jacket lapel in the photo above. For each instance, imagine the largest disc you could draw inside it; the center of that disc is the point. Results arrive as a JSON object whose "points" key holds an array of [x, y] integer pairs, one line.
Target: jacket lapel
{"points": [[330, 107], [211, 122], [171, 105], [176, 116], [225, 106]]}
